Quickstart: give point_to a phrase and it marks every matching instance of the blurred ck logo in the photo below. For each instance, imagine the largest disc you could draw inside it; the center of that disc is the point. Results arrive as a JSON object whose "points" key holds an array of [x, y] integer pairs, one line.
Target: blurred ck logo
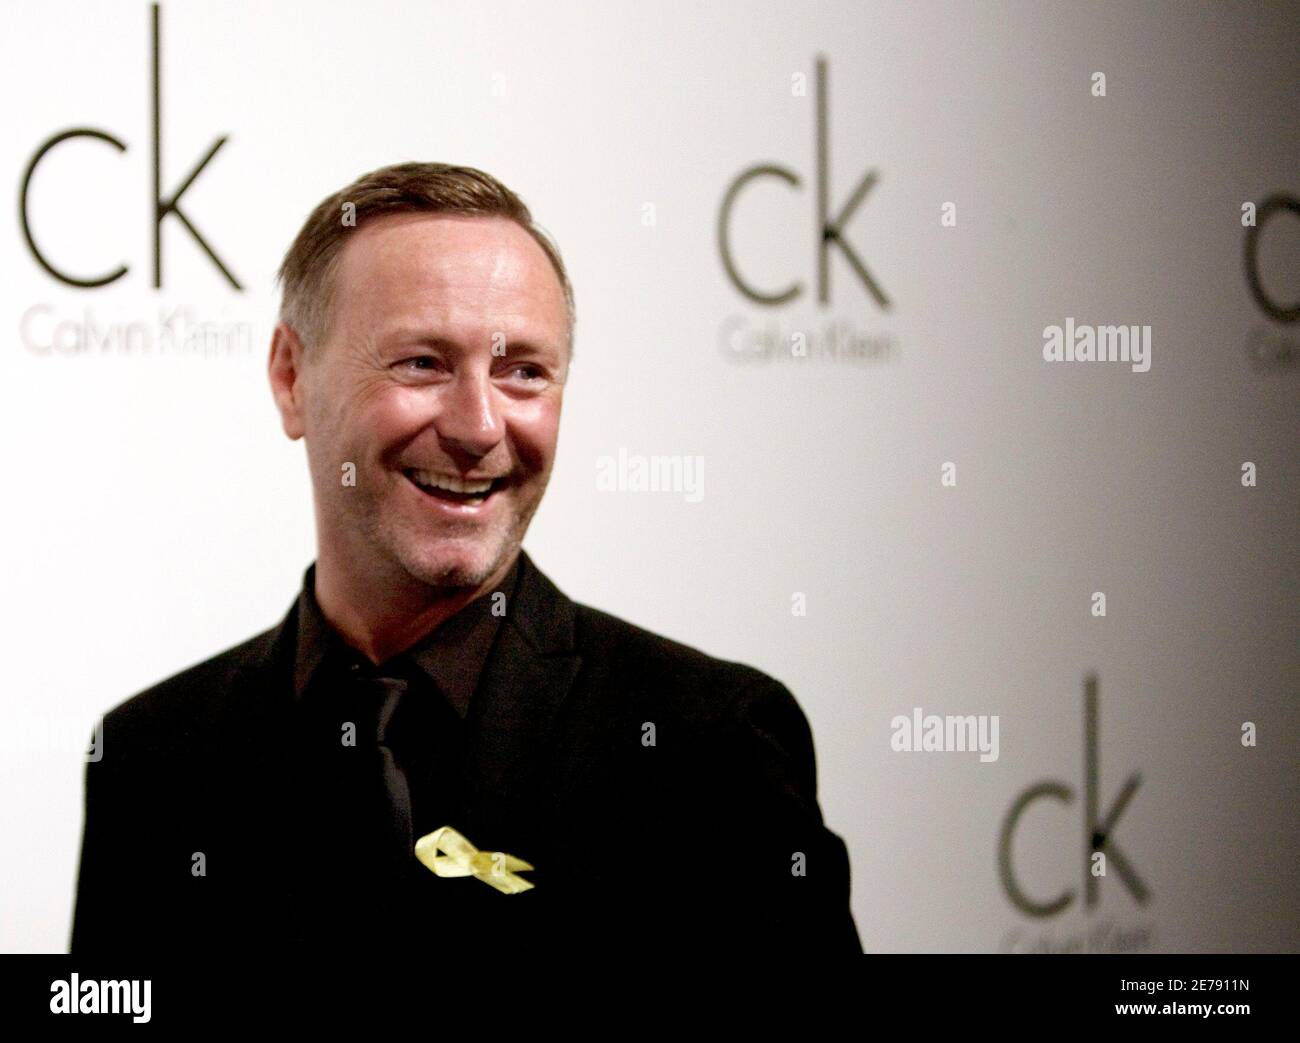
{"points": [[1269, 347], [828, 231], [1101, 850], [163, 207], [1271, 207]]}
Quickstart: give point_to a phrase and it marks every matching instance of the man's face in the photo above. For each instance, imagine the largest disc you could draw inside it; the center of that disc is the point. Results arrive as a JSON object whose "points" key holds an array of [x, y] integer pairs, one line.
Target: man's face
{"points": [[444, 366]]}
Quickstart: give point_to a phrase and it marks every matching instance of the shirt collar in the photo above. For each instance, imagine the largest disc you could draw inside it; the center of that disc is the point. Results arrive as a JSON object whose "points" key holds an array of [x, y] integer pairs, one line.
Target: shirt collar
{"points": [[452, 655]]}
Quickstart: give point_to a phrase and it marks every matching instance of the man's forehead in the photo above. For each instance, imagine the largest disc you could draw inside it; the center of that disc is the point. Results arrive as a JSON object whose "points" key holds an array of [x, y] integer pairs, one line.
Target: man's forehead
{"points": [[400, 259]]}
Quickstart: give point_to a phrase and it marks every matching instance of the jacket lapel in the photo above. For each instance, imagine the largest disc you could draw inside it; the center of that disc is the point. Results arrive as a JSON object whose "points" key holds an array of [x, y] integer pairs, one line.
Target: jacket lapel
{"points": [[527, 677]]}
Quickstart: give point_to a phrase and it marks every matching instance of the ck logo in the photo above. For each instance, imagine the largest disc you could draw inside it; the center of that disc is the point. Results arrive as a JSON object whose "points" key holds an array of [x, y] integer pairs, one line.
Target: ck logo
{"points": [[1098, 834], [162, 207], [1271, 207], [829, 230]]}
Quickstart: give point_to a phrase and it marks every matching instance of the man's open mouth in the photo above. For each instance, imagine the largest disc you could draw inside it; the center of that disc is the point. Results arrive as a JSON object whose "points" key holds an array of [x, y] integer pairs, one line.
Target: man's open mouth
{"points": [[452, 489]]}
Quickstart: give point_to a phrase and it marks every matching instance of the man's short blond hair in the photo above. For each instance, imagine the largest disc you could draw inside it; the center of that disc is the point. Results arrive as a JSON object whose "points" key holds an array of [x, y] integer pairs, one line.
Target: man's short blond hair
{"points": [[307, 275]]}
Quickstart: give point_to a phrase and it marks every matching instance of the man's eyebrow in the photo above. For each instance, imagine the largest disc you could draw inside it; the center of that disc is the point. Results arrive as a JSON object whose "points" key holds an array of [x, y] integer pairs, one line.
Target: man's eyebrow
{"points": [[523, 346], [415, 335], [423, 338]]}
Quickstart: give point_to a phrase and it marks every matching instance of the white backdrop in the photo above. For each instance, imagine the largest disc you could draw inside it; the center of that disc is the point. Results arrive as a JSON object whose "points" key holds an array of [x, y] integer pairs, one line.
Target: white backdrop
{"points": [[156, 514]]}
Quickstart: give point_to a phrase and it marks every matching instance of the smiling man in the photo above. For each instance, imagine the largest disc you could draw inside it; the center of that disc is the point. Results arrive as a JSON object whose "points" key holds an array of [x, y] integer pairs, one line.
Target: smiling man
{"points": [[435, 743], [437, 386]]}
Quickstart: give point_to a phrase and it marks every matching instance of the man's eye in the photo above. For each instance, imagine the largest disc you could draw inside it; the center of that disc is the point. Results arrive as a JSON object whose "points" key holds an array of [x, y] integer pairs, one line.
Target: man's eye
{"points": [[420, 362], [529, 371]]}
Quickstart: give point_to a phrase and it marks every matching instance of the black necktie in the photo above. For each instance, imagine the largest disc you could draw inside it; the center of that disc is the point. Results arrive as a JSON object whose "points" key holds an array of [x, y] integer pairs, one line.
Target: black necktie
{"points": [[377, 701]]}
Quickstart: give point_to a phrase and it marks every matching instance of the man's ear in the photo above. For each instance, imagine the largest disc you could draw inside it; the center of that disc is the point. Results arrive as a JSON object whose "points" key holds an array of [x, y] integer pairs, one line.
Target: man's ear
{"points": [[285, 369]]}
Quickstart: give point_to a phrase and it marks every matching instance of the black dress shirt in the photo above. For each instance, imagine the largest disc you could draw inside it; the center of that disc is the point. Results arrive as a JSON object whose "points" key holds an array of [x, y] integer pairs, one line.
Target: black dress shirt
{"points": [[450, 657]]}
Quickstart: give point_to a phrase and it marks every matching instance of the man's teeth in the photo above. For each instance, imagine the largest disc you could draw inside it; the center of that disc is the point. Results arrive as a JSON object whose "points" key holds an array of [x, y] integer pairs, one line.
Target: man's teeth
{"points": [[450, 483]]}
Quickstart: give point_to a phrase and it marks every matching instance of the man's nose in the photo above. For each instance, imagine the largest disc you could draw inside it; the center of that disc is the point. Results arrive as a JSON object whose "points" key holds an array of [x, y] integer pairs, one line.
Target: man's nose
{"points": [[469, 418]]}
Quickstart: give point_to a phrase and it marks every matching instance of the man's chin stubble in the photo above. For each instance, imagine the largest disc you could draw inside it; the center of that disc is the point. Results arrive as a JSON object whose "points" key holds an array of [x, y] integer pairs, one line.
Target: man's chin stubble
{"points": [[435, 570]]}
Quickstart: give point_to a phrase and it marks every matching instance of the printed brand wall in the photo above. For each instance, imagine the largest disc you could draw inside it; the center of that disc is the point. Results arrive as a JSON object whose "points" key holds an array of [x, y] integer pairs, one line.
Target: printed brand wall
{"points": [[937, 359]]}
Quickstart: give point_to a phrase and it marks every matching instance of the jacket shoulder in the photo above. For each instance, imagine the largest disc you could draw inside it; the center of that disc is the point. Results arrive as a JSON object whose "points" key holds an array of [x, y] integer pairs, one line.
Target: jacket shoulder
{"points": [[189, 707], [642, 663], [634, 647], [736, 733]]}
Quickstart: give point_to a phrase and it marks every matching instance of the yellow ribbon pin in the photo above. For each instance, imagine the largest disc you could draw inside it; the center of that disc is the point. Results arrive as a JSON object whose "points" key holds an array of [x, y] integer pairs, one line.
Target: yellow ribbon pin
{"points": [[461, 858]]}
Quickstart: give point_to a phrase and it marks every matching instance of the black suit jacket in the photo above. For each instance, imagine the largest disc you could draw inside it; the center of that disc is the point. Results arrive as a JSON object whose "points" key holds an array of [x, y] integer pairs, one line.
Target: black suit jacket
{"points": [[666, 799]]}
